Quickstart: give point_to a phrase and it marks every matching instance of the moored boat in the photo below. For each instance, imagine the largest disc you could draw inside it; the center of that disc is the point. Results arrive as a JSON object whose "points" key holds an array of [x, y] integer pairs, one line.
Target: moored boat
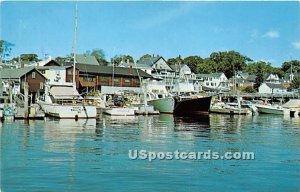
{"points": [[233, 108], [163, 105], [271, 109], [63, 101], [119, 111], [186, 106], [117, 107]]}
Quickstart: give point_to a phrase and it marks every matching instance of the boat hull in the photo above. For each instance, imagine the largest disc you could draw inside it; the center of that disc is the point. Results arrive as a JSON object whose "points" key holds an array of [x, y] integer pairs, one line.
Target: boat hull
{"points": [[163, 105], [118, 111], [270, 110], [69, 111], [230, 111], [192, 106]]}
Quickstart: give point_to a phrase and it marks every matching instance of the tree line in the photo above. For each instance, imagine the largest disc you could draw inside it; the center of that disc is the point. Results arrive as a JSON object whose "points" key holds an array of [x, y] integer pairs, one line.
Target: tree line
{"points": [[227, 62]]}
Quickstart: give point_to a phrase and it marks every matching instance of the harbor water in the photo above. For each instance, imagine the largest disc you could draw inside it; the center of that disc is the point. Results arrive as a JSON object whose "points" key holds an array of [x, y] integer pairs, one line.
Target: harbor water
{"points": [[89, 155]]}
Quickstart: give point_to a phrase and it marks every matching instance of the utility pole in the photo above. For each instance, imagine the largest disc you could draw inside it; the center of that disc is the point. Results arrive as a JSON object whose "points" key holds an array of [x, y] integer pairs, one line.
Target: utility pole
{"points": [[74, 57]]}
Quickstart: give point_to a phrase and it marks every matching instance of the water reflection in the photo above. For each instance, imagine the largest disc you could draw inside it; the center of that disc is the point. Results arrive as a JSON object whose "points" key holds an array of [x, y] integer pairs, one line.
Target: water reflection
{"points": [[79, 154]]}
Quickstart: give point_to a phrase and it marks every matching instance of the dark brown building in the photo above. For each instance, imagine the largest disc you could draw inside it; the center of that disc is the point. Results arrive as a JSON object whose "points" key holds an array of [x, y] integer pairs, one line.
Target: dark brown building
{"points": [[17, 78], [97, 76]]}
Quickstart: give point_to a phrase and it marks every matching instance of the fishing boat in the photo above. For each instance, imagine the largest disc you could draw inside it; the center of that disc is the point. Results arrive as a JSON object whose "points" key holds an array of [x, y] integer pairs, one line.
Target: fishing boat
{"points": [[163, 105], [186, 106], [159, 97], [182, 105], [63, 101]]}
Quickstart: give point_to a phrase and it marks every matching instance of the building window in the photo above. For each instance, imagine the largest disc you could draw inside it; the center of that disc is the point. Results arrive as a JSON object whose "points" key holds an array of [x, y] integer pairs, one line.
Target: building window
{"points": [[41, 85], [33, 75], [116, 79], [212, 84], [88, 79], [207, 83], [104, 79]]}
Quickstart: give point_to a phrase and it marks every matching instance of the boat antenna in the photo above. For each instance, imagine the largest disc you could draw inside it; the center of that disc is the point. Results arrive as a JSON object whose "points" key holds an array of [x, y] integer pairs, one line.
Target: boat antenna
{"points": [[74, 51]]}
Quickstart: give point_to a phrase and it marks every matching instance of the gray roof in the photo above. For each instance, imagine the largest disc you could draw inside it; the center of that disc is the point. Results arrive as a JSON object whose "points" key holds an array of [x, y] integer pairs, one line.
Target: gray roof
{"points": [[251, 78], [52, 63], [14, 73], [52, 67], [86, 59], [209, 75], [136, 65], [275, 86], [100, 69], [149, 61]]}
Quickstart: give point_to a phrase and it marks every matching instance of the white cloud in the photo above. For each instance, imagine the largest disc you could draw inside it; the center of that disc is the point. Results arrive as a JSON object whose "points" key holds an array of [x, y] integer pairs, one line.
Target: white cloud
{"points": [[272, 34], [296, 44], [253, 35]]}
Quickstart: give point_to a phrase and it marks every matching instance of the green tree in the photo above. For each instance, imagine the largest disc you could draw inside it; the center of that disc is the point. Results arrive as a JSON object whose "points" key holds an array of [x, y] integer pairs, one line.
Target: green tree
{"points": [[277, 71], [173, 61], [229, 62], [193, 62], [123, 58], [99, 55], [145, 56], [295, 83], [286, 66], [206, 66], [31, 57], [128, 58], [263, 66], [259, 77], [64, 60]]}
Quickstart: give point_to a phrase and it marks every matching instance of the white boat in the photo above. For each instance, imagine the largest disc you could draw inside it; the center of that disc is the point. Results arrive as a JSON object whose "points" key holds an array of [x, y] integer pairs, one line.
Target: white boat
{"points": [[143, 109], [239, 107], [271, 109], [230, 108], [119, 111], [63, 101], [116, 107]]}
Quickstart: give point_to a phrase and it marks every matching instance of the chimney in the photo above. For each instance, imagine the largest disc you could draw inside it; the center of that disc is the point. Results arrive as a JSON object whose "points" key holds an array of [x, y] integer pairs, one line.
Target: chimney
{"points": [[130, 70]]}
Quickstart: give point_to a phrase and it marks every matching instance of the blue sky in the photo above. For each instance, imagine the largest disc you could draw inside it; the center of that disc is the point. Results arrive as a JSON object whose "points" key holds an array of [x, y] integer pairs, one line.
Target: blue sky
{"points": [[267, 31]]}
